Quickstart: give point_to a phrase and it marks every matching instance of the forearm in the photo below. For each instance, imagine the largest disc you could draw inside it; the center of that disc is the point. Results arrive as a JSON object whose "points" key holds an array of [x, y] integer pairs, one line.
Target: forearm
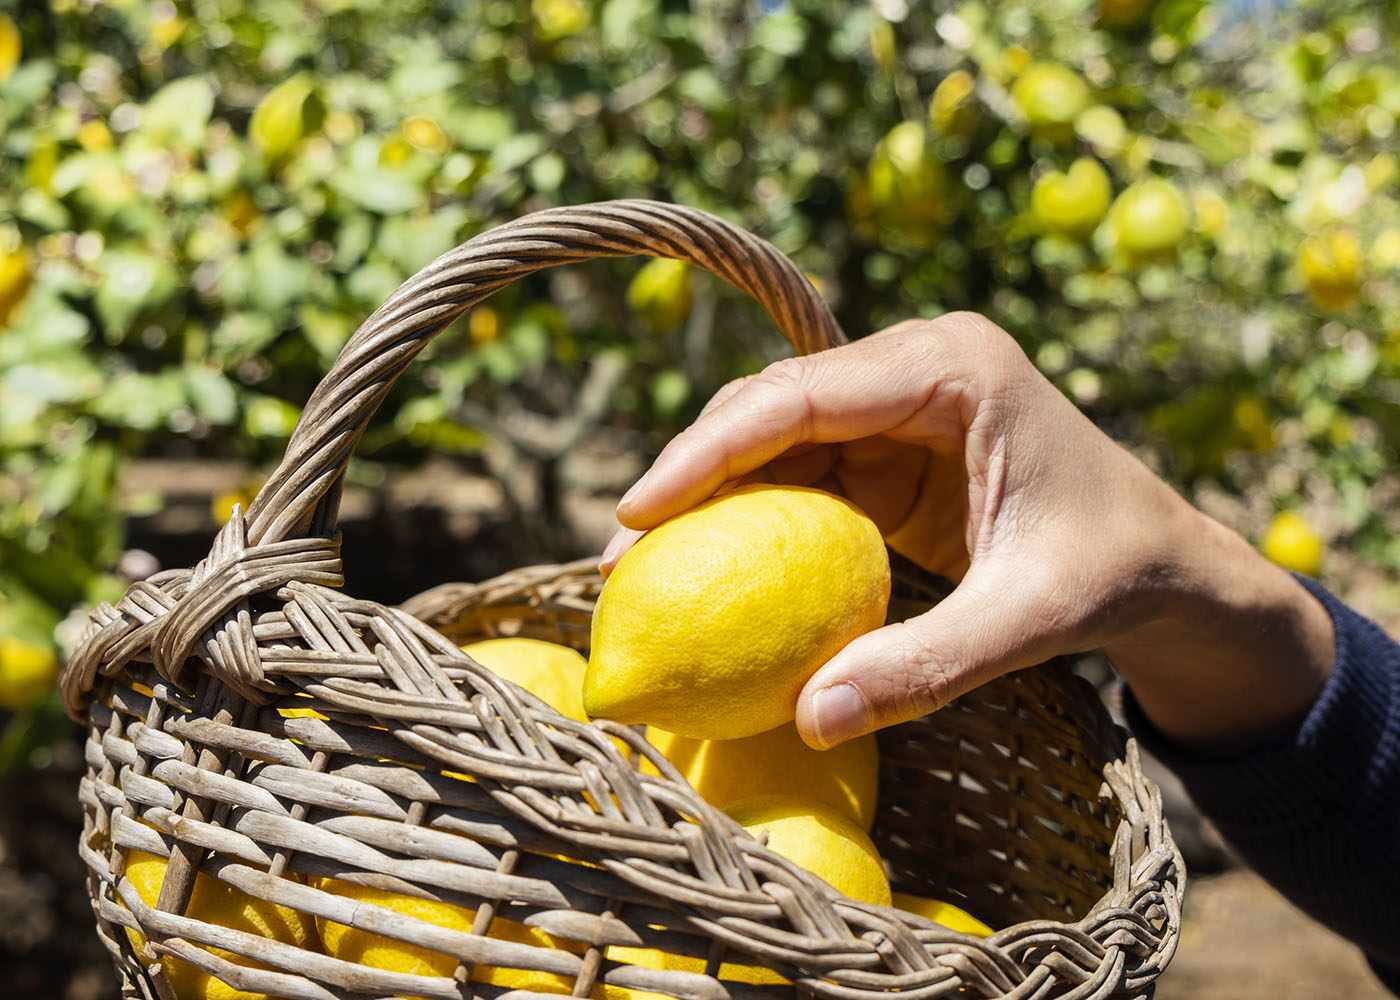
{"points": [[1232, 650]]}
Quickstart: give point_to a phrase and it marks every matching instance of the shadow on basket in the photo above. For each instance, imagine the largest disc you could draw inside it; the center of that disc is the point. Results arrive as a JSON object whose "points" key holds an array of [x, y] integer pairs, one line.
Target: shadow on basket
{"points": [[294, 793]]}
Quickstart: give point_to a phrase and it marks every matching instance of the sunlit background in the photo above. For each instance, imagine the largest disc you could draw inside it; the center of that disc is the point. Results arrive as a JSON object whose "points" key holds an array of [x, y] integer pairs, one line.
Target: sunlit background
{"points": [[1187, 213]]}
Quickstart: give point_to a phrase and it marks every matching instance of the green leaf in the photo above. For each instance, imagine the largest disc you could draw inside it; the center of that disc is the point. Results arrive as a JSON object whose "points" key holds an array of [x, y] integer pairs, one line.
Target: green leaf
{"points": [[211, 393], [31, 82], [374, 282], [179, 112], [243, 334], [324, 330], [783, 32], [480, 129], [412, 241], [278, 278], [270, 417], [382, 191], [286, 115], [132, 282], [413, 79], [139, 400], [53, 380]]}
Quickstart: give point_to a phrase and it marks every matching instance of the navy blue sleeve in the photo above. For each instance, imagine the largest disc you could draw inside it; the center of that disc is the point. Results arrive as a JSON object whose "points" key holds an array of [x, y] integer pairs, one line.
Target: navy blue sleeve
{"points": [[1317, 813]]}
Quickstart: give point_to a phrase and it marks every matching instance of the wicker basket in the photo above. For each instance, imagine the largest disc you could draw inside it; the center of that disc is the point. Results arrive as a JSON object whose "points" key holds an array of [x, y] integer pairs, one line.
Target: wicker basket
{"points": [[1021, 801]]}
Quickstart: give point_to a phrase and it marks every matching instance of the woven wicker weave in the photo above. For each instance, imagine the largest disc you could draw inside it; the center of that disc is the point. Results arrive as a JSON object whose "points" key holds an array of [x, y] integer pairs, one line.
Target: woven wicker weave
{"points": [[1020, 801]]}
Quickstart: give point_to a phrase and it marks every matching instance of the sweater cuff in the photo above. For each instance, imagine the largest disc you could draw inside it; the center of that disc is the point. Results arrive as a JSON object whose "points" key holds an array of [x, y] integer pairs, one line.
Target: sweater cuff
{"points": [[1328, 762]]}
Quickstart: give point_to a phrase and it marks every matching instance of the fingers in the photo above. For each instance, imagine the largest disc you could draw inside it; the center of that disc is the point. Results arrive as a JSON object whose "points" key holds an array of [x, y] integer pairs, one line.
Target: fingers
{"points": [[908, 669], [907, 381], [622, 540]]}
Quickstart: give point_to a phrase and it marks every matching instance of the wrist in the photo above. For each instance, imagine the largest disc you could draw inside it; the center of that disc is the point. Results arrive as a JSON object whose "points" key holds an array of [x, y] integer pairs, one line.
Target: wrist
{"points": [[1234, 651]]}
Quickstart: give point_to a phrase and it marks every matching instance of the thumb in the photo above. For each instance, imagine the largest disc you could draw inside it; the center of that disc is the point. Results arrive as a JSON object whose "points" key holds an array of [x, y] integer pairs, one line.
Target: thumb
{"points": [[982, 630]]}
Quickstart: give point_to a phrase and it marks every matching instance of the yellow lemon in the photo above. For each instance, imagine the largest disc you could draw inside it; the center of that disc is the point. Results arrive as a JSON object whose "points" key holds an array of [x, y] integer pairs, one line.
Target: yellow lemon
{"points": [[551, 672], [300, 713], [287, 114], [216, 902], [808, 833], [650, 958], [660, 293], [1291, 542], [16, 275], [777, 762], [952, 109], [11, 46], [710, 624], [940, 912], [1331, 267], [819, 839], [906, 182], [424, 133], [1073, 203], [379, 952], [1051, 97], [27, 672], [1149, 218]]}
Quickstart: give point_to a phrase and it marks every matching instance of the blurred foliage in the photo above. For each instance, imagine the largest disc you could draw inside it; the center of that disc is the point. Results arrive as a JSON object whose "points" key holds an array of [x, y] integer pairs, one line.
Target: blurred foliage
{"points": [[1188, 214]]}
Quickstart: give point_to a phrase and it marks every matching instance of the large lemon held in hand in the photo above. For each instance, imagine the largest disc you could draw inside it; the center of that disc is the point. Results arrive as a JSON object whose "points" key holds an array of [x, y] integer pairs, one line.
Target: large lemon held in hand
{"points": [[711, 624]]}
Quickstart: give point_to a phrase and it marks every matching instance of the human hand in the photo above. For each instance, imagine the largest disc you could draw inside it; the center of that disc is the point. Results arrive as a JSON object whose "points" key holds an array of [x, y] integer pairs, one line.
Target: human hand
{"points": [[975, 466]]}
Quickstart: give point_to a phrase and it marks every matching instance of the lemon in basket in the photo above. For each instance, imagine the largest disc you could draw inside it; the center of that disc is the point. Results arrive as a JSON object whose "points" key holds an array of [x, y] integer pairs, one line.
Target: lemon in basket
{"points": [[379, 952], [216, 902], [845, 777], [712, 622], [551, 672], [808, 833], [950, 916]]}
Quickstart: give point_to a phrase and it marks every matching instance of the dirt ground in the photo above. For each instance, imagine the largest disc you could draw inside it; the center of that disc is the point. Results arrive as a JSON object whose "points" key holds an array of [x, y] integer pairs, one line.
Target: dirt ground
{"points": [[1240, 940]]}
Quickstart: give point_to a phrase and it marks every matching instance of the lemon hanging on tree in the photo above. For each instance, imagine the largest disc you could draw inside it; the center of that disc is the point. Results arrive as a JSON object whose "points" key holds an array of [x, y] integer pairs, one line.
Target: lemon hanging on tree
{"points": [[710, 625], [1331, 267], [1291, 542], [1149, 219], [27, 672], [1051, 97], [1072, 203], [660, 293], [906, 184]]}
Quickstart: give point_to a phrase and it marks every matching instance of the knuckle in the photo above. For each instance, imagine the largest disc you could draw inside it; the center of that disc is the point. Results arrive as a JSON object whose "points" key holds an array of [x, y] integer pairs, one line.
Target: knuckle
{"points": [[926, 676]]}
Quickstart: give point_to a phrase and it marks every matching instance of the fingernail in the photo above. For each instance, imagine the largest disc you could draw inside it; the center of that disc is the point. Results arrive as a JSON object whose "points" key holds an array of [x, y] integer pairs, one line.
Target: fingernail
{"points": [[612, 550], [839, 712], [634, 490]]}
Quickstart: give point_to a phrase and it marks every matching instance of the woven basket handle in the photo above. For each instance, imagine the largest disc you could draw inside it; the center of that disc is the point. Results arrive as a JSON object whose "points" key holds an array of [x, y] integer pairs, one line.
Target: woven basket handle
{"points": [[302, 497]]}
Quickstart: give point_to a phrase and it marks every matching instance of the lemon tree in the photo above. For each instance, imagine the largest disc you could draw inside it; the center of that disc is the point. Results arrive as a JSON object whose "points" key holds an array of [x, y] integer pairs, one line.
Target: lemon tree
{"points": [[199, 204]]}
